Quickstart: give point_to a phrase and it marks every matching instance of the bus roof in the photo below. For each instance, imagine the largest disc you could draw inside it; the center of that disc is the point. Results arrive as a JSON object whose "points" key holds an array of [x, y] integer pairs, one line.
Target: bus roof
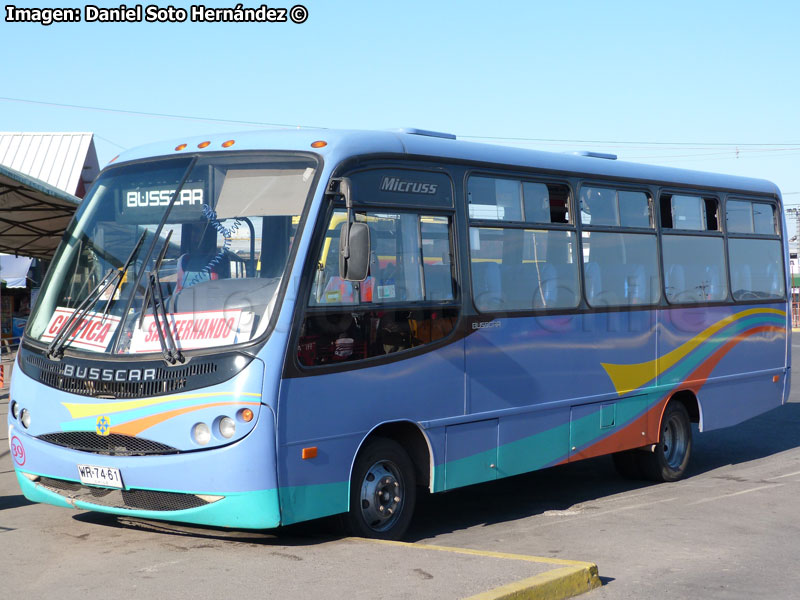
{"points": [[343, 144]]}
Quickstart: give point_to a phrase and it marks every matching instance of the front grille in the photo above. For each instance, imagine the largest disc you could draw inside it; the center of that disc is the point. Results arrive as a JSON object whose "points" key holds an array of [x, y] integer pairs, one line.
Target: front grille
{"points": [[166, 381], [113, 444], [131, 499]]}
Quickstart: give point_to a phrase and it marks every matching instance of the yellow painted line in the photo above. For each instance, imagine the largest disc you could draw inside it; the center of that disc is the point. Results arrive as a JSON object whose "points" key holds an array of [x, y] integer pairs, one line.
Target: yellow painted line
{"points": [[78, 410], [573, 577]]}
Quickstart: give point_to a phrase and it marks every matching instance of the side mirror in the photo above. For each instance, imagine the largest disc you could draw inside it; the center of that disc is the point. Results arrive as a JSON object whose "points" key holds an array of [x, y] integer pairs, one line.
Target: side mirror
{"points": [[354, 251]]}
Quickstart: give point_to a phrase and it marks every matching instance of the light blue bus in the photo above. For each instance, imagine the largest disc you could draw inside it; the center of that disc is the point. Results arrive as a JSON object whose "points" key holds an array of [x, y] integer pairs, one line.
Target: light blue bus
{"points": [[263, 328]]}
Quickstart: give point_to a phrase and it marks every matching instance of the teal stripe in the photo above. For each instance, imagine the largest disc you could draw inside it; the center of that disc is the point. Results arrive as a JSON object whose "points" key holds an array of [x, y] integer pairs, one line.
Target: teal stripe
{"points": [[246, 510], [304, 502]]}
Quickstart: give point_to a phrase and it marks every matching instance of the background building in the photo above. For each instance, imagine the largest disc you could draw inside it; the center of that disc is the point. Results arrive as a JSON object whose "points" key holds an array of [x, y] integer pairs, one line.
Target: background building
{"points": [[43, 176]]}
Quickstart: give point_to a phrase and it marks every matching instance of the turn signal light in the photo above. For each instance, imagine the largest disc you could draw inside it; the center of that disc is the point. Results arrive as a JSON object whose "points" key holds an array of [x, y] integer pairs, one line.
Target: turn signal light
{"points": [[309, 452], [246, 415], [319, 144]]}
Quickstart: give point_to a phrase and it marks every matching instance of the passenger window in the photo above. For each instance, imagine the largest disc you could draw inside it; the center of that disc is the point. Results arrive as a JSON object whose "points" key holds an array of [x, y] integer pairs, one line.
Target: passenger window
{"points": [[545, 202], [620, 269], [694, 213], [764, 218], [411, 264], [756, 269], [436, 258], [613, 208], [694, 269], [634, 209], [599, 206], [739, 216], [688, 212], [523, 269], [742, 216], [495, 199]]}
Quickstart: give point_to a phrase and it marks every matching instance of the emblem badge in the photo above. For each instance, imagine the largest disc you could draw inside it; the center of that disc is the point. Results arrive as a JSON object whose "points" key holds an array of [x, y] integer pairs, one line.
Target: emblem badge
{"points": [[103, 426]]}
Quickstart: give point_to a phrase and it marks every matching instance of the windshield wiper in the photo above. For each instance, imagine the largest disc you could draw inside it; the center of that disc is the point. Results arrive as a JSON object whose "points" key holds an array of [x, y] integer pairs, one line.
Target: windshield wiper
{"points": [[115, 276], [169, 349]]}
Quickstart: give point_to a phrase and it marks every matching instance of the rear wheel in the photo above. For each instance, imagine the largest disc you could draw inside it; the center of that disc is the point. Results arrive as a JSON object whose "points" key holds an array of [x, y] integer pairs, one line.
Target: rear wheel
{"points": [[382, 491], [670, 458]]}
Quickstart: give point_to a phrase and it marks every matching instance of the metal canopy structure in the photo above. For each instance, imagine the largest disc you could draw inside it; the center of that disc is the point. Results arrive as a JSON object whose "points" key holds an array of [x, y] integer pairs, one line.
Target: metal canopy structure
{"points": [[33, 214]]}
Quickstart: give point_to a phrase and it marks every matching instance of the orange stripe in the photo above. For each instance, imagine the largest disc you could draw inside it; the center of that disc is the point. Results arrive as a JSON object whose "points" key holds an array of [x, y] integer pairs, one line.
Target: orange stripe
{"points": [[134, 428], [630, 436]]}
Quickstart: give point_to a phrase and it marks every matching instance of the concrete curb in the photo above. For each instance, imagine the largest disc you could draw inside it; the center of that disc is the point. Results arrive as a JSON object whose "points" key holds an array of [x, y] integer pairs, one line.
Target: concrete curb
{"points": [[571, 578], [565, 582]]}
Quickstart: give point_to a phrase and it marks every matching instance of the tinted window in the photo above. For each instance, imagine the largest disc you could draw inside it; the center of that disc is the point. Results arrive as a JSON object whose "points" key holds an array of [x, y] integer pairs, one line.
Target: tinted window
{"points": [[696, 213], [620, 269], [739, 216], [763, 218], [634, 209], [608, 207], [688, 212], [436, 259], [410, 261], [494, 199], [743, 216], [756, 269], [516, 269], [694, 269], [599, 206]]}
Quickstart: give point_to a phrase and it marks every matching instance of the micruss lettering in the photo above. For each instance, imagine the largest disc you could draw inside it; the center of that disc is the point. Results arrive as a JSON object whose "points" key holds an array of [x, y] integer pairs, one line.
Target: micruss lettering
{"points": [[43, 16], [395, 184]]}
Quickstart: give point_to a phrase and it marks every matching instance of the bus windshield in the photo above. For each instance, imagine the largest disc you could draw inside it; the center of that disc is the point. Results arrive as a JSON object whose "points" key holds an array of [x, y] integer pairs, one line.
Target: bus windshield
{"points": [[184, 252]]}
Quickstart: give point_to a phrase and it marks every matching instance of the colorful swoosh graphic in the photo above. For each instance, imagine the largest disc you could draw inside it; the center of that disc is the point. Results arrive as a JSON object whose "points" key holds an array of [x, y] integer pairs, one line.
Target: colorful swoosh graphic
{"points": [[627, 378], [131, 417], [689, 367]]}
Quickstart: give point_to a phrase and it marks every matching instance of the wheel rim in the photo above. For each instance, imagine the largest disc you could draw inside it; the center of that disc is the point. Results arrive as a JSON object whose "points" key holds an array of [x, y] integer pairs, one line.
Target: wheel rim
{"points": [[674, 442], [381, 495]]}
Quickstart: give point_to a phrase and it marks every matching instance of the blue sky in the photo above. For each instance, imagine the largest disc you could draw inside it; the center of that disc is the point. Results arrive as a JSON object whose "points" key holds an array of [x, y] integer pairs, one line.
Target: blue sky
{"points": [[685, 84]]}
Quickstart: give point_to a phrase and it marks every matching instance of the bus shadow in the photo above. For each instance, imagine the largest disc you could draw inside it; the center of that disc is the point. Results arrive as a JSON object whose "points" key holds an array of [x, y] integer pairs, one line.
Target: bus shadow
{"points": [[563, 487], [310, 533], [505, 500]]}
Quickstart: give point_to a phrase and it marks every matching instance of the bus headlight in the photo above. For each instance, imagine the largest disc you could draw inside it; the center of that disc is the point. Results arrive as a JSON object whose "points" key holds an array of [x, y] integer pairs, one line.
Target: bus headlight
{"points": [[227, 427], [201, 434], [15, 409], [25, 418]]}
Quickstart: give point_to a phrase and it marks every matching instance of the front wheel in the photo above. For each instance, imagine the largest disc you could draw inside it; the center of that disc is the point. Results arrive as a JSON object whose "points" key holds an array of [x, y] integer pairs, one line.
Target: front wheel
{"points": [[382, 491], [670, 458]]}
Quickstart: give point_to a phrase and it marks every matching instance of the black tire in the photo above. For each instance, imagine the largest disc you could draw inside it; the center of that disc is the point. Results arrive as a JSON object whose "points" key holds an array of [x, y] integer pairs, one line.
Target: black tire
{"points": [[669, 460], [383, 491], [627, 464]]}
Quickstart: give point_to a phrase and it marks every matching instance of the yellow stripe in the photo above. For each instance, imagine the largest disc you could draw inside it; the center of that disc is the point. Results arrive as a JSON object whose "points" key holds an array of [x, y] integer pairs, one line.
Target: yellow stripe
{"points": [[489, 553], [627, 378], [77, 410]]}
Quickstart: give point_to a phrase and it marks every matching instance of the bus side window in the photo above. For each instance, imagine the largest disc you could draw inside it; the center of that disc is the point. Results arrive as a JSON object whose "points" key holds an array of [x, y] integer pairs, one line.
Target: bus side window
{"points": [[401, 304]]}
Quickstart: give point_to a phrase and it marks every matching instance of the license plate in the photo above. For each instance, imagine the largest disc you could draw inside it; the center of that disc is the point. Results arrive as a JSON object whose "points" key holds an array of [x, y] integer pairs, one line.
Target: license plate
{"points": [[105, 476]]}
